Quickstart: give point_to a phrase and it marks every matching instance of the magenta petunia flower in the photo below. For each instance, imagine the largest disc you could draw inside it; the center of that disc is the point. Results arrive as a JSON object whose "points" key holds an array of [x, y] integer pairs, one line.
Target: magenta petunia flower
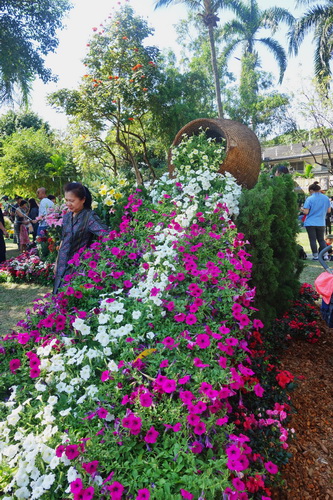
{"points": [[191, 319], [179, 317], [222, 421], [168, 342], [60, 450], [105, 375], [233, 452], [102, 412], [127, 284], [116, 490], [132, 256], [271, 468], [186, 494], [257, 324], [146, 399], [193, 419], [90, 467], [259, 390], [184, 380], [76, 485], [200, 428], [34, 372], [169, 385], [186, 396], [238, 484], [86, 494], [143, 494], [72, 451], [14, 364], [164, 363], [199, 364], [196, 447], [203, 341], [151, 435]]}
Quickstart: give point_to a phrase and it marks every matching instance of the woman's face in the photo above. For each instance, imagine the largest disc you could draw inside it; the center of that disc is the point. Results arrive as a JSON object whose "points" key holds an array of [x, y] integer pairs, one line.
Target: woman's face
{"points": [[74, 204]]}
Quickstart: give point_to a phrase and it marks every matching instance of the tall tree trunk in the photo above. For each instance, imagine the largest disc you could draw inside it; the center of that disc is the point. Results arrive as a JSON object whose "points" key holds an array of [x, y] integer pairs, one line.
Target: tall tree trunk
{"points": [[215, 71]]}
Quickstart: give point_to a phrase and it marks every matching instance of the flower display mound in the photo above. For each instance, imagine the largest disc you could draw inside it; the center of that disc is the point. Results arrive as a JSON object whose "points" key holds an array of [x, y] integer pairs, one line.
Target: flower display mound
{"points": [[29, 267], [137, 380]]}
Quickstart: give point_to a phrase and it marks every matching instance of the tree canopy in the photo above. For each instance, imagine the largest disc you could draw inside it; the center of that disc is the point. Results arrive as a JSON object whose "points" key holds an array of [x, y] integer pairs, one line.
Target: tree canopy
{"points": [[28, 32]]}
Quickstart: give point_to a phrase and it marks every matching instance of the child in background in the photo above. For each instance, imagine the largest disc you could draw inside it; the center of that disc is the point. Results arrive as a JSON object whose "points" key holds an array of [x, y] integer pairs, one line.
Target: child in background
{"points": [[329, 241]]}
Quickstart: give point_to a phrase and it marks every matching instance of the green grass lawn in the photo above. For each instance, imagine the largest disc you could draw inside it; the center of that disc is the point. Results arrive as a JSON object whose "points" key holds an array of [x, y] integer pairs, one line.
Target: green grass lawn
{"points": [[312, 267], [15, 298]]}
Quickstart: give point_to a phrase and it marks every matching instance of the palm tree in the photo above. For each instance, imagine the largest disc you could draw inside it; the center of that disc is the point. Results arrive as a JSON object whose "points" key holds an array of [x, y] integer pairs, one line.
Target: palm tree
{"points": [[244, 32], [208, 12], [318, 19]]}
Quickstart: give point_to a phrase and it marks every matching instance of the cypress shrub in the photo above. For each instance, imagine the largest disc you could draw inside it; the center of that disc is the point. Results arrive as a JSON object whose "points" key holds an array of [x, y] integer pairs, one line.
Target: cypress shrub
{"points": [[268, 218]]}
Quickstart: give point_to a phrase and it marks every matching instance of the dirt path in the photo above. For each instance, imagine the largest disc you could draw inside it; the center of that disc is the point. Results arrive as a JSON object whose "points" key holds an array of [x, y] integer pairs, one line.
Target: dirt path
{"points": [[309, 474]]}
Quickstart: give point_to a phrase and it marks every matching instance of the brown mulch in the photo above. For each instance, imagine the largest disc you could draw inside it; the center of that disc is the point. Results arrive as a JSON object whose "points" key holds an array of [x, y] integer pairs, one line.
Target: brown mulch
{"points": [[309, 474]]}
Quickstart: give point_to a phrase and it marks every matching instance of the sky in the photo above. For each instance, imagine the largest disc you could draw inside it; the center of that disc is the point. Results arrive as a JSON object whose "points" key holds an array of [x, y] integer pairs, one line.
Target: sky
{"points": [[86, 14]]}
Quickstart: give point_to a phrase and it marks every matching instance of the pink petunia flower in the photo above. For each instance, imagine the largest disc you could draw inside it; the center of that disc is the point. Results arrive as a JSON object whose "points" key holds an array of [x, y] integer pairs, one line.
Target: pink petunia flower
{"points": [[151, 435], [184, 380], [169, 385], [105, 375], [203, 341], [199, 364], [146, 399], [102, 412], [238, 484], [90, 467], [143, 494], [196, 447], [180, 317], [116, 490], [72, 451], [186, 494], [259, 391], [191, 319], [76, 485], [271, 468], [14, 364], [200, 428], [60, 450], [34, 372]]}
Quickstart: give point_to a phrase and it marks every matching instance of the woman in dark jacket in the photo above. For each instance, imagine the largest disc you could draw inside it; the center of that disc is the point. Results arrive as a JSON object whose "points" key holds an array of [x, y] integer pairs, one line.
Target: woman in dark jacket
{"points": [[33, 213], [80, 225]]}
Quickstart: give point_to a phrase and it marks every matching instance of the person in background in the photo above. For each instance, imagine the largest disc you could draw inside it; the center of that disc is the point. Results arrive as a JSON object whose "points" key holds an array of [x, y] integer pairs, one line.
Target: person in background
{"points": [[22, 213], [80, 225], [3, 233], [281, 170], [316, 206], [329, 242], [16, 220], [33, 213], [44, 206], [52, 198]]}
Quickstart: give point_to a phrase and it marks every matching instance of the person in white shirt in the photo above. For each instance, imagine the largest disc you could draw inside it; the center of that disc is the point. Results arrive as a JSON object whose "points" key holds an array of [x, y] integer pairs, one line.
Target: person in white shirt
{"points": [[44, 206]]}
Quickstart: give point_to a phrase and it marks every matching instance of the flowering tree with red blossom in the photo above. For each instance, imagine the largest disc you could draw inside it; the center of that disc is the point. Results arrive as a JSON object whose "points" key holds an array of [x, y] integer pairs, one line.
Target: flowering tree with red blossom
{"points": [[114, 95]]}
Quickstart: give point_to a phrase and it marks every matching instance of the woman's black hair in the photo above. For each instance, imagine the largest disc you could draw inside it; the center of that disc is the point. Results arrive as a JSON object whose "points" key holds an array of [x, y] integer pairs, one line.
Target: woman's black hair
{"points": [[80, 191], [33, 203], [22, 202], [282, 169], [315, 186]]}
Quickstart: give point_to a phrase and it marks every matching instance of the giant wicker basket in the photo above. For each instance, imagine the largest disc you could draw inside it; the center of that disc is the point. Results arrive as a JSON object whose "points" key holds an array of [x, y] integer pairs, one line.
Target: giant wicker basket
{"points": [[243, 156]]}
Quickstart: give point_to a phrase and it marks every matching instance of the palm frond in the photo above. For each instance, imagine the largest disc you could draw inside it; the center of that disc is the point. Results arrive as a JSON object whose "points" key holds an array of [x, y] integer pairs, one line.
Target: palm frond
{"points": [[305, 24], [278, 52]]}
